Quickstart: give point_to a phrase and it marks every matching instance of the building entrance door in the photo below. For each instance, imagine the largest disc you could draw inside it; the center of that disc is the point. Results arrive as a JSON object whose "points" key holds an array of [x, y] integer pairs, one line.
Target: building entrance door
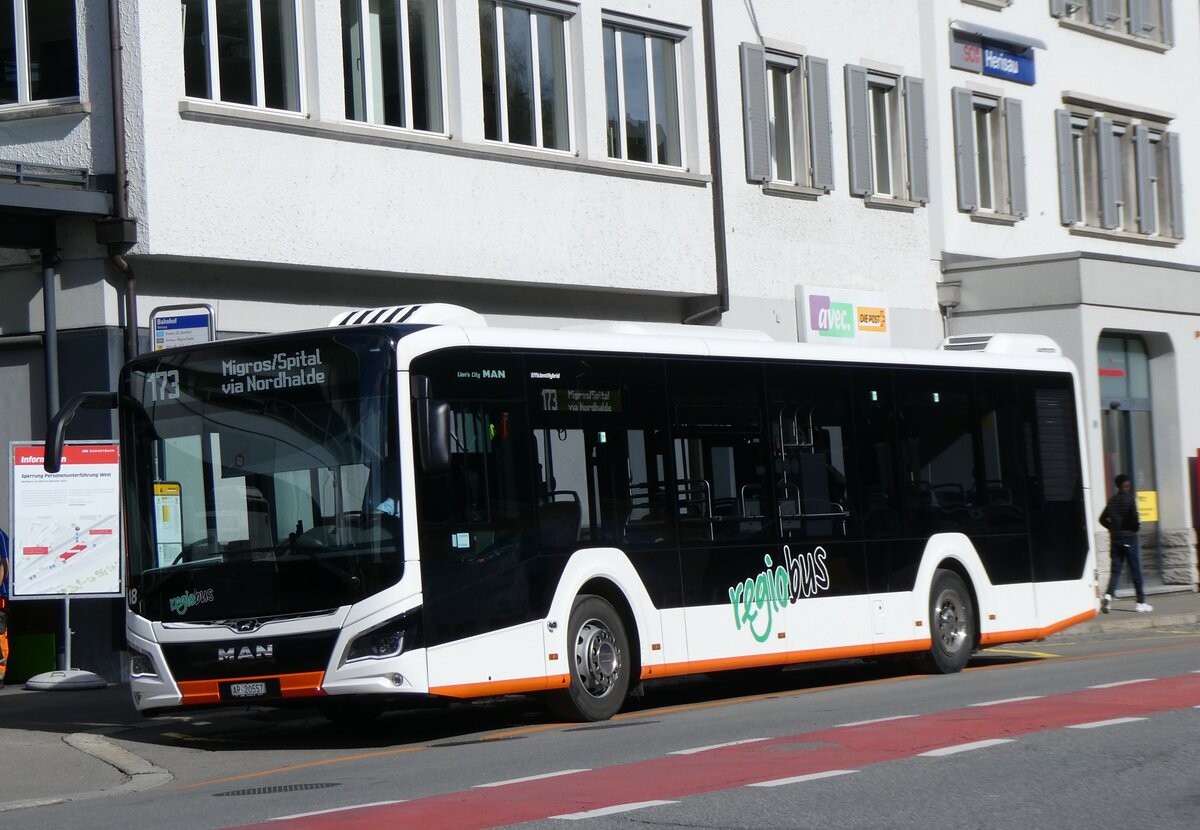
{"points": [[1128, 436]]}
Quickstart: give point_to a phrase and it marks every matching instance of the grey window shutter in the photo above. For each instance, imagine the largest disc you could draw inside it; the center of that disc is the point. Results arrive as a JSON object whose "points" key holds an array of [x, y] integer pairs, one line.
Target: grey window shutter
{"points": [[1109, 171], [1175, 184], [858, 131], [1168, 22], [1146, 208], [1066, 168], [1098, 12], [914, 128], [1058, 8], [755, 113], [964, 148], [820, 127], [1138, 17], [1014, 134]]}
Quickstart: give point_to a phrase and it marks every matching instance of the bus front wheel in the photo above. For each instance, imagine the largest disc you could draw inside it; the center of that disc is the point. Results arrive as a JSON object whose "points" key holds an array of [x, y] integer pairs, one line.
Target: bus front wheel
{"points": [[597, 651], [951, 623]]}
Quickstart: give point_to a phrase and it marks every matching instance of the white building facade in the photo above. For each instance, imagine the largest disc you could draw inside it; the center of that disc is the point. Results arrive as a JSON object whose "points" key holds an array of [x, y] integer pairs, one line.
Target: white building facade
{"points": [[939, 167]]}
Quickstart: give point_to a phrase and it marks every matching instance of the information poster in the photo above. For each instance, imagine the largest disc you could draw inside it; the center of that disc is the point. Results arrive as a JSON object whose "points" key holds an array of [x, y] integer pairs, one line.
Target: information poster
{"points": [[168, 520], [66, 535]]}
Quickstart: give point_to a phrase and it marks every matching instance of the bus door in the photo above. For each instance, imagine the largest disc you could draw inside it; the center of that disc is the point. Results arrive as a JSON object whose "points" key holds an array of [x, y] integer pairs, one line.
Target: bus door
{"points": [[812, 438], [734, 580], [477, 549]]}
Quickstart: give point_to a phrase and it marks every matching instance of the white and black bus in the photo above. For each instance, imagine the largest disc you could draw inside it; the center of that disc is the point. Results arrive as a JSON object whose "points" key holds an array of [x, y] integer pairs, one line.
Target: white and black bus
{"points": [[411, 503]]}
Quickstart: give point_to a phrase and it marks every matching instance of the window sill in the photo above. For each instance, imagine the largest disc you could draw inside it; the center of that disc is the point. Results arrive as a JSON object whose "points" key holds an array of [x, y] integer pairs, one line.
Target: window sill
{"points": [[995, 5], [891, 203], [993, 218], [191, 109], [1125, 236], [793, 191], [39, 110], [1119, 37]]}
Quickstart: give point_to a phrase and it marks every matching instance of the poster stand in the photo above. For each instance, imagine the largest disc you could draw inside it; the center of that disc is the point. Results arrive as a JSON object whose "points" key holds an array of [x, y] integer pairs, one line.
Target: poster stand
{"points": [[66, 538]]}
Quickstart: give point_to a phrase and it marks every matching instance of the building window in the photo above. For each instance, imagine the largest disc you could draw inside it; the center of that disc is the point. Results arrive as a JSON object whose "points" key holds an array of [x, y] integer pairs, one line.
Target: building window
{"points": [[38, 60], [1119, 173], [392, 61], [642, 90], [526, 81], [243, 52], [885, 117], [785, 101], [1145, 19], [989, 152]]}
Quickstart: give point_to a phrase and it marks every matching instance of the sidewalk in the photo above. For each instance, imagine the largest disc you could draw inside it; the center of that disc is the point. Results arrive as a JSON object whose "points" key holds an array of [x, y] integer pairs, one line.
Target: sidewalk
{"points": [[53, 747]]}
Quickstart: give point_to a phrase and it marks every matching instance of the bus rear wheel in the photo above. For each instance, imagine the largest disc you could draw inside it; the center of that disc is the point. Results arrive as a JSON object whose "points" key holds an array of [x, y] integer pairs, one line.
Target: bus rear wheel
{"points": [[597, 650], [951, 623]]}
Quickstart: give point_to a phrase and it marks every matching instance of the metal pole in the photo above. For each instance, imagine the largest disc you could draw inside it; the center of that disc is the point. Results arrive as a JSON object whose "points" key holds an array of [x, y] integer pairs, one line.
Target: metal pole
{"points": [[67, 624], [50, 311]]}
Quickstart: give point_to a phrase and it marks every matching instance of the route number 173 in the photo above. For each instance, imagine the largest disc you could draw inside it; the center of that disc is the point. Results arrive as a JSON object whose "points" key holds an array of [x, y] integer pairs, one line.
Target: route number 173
{"points": [[164, 386]]}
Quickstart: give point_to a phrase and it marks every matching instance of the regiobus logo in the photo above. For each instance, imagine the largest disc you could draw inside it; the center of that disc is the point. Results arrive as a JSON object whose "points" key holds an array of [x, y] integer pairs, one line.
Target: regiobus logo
{"points": [[830, 319]]}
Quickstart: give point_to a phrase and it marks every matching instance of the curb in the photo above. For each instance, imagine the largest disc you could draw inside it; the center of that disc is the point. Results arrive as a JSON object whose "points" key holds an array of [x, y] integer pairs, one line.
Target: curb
{"points": [[141, 773], [1139, 622]]}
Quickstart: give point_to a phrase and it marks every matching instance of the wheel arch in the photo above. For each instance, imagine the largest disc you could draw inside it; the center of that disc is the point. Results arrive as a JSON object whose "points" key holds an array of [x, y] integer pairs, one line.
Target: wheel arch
{"points": [[611, 593]]}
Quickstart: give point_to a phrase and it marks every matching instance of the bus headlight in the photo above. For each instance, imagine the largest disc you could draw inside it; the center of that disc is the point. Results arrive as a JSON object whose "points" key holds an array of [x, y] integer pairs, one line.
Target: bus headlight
{"points": [[387, 640], [141, 664]]}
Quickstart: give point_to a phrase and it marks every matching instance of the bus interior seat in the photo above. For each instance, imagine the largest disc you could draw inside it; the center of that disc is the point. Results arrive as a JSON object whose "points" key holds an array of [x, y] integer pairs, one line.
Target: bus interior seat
{"points": [[560, 519]]}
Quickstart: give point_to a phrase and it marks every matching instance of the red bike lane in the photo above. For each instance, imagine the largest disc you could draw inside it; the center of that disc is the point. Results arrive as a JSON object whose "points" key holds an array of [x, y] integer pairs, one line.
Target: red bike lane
{"points": [[759, 761]]}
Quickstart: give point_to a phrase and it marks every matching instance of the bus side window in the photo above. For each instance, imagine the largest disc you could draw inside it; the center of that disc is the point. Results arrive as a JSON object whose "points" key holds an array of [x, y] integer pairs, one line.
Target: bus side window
{"points": [[809, 428], [721, 486]]}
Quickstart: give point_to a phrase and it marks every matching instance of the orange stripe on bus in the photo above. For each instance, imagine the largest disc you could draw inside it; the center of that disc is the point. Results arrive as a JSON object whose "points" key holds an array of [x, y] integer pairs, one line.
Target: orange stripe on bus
{"points": [[302, 684], [784, 658], [1024, 635], [491, 688]]}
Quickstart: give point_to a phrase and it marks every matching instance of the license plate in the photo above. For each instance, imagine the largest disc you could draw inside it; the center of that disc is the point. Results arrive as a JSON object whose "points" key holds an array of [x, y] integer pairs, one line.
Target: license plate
{"points": [[266, 688]]}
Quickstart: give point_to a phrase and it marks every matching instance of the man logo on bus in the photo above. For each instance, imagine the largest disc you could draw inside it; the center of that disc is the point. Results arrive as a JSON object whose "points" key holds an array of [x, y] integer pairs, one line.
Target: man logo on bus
{"points": [[802, 575], [830, 319]]}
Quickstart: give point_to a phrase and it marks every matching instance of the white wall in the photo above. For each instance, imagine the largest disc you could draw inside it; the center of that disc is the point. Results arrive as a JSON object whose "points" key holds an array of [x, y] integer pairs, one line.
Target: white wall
{"points": [[226, 185]]}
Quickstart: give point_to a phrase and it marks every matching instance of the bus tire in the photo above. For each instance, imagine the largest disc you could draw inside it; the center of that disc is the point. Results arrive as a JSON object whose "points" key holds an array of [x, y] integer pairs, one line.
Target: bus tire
{"points": [[598, 653], [951, 623]]}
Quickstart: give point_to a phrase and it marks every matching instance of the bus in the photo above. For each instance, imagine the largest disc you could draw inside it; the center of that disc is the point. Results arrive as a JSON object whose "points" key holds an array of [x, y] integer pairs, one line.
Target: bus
{"points": [[411, 505]]}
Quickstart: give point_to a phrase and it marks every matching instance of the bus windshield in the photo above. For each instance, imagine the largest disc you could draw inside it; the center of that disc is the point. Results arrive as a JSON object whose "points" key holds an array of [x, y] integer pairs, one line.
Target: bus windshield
{"points": [[260, 477]]}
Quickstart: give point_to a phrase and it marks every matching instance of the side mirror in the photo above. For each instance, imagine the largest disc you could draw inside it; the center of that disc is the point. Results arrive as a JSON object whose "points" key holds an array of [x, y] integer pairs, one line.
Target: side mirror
{"points": [[56, 435], [433, 427]]}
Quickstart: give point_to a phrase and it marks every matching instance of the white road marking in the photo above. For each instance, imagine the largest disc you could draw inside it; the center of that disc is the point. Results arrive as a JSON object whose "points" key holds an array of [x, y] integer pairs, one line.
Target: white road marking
{"points": [[337, 810], [876, 720], [1099, 723], [779, 782], [954, 750], [529, 778], [694, 750], [1121, 683], [616, 808], [1008, 700]]}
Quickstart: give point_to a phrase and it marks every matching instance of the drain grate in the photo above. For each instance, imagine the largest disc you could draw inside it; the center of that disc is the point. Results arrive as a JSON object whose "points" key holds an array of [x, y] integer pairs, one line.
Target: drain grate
{"points": [[477, 741], [282, 788], [610, 726]]}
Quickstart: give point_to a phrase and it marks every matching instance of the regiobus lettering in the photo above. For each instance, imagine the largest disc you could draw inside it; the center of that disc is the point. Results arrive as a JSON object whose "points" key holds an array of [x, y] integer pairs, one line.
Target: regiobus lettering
{"points": [[804, 575]]}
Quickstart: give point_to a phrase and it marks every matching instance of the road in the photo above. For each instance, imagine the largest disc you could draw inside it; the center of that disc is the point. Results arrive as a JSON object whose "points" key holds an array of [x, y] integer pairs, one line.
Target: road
{"points": [[1072, 732]]}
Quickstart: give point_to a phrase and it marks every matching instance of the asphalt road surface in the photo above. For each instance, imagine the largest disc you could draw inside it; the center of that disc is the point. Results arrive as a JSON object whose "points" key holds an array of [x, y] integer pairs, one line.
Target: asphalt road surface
{"points": [[1072, 732]]}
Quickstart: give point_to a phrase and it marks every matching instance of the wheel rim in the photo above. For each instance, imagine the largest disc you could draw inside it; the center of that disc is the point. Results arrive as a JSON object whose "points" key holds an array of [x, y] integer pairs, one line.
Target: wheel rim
{"points": [[950, 618], [597, 658]]}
